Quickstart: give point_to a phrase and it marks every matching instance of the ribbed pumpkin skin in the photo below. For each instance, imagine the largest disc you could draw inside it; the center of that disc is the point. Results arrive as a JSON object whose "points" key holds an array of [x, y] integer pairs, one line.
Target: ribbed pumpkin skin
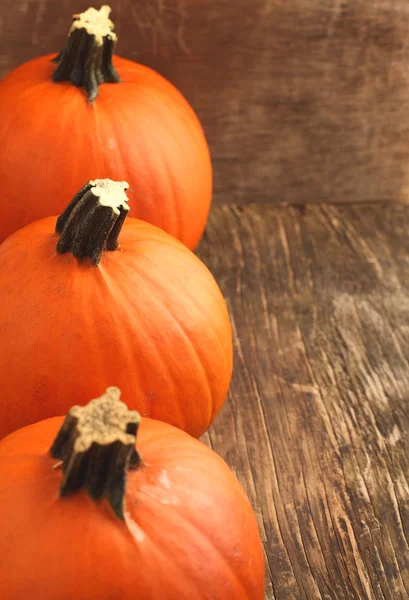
{"points": [[141, 131], [189, 533], [149, 319]]}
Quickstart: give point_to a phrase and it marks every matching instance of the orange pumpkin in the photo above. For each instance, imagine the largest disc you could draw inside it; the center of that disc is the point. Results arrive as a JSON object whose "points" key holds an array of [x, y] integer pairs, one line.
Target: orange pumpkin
{"points": [[136, 127], [168, 521], [77, 313]]}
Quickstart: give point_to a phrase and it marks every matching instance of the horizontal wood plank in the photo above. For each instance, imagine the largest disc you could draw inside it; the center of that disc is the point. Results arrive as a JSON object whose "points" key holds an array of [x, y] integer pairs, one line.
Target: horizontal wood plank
{"points": [[317, 422], [302, 100]]}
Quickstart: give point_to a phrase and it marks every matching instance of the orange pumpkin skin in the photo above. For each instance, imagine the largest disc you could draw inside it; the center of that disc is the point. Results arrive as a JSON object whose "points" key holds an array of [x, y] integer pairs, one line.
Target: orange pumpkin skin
{"points": [[141, 130], [189, 530], [149, 319]]}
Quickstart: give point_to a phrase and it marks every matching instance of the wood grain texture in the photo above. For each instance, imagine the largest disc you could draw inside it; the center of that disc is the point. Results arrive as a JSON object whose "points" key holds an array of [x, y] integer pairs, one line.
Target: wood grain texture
{"points": [[317, 422], [301, 100]]}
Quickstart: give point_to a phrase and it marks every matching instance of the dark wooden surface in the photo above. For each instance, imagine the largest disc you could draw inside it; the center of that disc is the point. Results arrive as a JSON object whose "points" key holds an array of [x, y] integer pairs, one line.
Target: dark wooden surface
{"points": [[301, 100], [317, 422]]}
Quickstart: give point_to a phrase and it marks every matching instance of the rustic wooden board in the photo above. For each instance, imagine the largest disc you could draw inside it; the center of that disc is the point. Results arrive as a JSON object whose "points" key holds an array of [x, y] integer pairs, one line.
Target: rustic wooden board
{"points": [[317, 422], [301, 100]]}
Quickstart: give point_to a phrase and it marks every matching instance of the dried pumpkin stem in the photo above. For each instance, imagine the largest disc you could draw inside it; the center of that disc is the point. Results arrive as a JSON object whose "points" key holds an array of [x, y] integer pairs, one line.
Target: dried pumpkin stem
{"points": [[93, 219], [86, 59], [96, 445]]}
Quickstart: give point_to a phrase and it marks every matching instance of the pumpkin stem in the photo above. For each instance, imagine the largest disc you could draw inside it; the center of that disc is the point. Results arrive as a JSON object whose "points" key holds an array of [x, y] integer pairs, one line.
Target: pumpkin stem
{"points": [[93, 219], [86, 59], [96, 445]]}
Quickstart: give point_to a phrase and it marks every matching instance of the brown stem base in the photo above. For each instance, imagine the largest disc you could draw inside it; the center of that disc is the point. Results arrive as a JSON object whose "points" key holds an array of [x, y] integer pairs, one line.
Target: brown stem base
{"points": [[96, 445], [86, 60], [92, 221]]}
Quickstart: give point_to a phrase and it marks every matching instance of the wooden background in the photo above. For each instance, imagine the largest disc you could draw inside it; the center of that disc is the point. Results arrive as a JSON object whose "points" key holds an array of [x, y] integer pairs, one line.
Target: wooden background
{"points": [[302, 101]]}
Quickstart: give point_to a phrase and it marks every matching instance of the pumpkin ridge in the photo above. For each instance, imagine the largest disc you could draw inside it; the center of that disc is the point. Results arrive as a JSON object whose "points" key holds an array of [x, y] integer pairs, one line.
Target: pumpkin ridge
{"points": [[163, 361], [220, 342], [215, 409], [177, 321], [161, 553], [173, 132], [220, 554], [178, 225], [215, 335], [171, 223], [178, 229], [125, 332], [177, 128]]}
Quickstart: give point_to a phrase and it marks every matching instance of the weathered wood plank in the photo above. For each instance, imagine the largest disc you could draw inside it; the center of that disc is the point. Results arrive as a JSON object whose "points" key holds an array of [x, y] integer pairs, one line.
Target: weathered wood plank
{"points": [[317, 423], [301, 100]]}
